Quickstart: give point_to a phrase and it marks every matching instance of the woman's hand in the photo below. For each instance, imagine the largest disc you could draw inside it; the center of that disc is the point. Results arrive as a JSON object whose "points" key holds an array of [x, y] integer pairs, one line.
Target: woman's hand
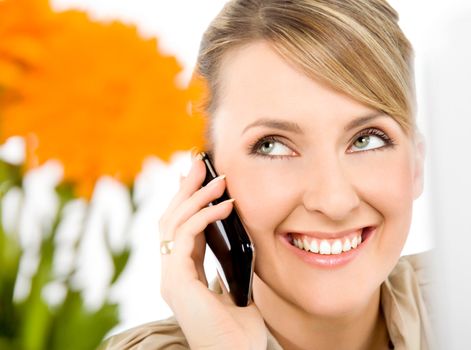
{"points": [[208, 320]]}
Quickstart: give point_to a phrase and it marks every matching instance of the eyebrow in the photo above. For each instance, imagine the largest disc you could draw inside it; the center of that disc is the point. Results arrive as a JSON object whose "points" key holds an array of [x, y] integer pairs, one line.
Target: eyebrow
{"points": [[355, 123], [295, 128], [275, 124]]}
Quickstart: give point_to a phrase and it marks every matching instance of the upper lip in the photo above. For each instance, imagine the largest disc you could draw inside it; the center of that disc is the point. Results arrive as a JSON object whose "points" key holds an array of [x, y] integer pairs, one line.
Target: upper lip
{"points": [[326, 235]]}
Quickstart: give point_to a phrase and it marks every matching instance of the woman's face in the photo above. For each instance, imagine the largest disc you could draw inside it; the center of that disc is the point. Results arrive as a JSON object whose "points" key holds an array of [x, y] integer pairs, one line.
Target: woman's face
{"points": [[302, 162]]}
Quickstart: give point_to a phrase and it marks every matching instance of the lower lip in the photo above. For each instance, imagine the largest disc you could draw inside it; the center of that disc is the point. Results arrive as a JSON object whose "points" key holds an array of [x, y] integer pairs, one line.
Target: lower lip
{"points": [[330, 261]]}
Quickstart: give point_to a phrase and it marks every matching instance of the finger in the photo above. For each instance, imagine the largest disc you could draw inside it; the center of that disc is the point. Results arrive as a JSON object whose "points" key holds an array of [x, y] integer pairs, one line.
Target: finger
{"points": [[189, 185], [196, 202], [186, 233], [185, 242], [191, 182]]}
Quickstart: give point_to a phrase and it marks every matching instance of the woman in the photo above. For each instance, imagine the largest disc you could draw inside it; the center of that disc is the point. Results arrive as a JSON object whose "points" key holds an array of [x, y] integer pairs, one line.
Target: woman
{"points": [[311, 122]]}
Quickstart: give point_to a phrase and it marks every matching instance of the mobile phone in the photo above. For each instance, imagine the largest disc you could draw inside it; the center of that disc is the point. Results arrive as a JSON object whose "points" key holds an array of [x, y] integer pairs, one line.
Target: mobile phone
{"points": [[232, 247]]}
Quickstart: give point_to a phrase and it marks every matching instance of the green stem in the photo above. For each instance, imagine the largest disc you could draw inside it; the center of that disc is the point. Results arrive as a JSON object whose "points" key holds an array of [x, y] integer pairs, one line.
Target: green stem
{"points": [[38, 316]]}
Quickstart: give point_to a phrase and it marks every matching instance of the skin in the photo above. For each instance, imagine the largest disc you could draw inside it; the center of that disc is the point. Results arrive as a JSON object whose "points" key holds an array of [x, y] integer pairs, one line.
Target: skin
{"points": [[318, 178]]}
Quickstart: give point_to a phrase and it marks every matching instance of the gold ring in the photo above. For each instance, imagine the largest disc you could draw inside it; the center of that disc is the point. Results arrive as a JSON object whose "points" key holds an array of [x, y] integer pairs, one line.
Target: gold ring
{"points": [[166, 247]]}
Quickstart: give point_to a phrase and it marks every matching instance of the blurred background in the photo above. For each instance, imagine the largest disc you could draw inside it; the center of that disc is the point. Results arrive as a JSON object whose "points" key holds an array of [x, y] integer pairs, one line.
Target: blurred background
{"points": [[115, 44]]}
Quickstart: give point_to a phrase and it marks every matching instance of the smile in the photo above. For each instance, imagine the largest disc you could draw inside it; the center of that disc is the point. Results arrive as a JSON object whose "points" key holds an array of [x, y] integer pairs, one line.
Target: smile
{"points": [[329, 250], [327, 246]]}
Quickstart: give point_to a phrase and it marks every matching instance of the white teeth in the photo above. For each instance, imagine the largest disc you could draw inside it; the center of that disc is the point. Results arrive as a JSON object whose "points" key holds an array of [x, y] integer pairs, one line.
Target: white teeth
{"points": [[347, 245], [354, 242], [306, 244], [336, 247], [325, 247], [299, 244], [314, 246]]}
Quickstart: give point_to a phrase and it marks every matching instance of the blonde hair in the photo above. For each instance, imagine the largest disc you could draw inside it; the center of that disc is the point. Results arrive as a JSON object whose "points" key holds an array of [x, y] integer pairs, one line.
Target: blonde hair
{"points": [[354, 46]]}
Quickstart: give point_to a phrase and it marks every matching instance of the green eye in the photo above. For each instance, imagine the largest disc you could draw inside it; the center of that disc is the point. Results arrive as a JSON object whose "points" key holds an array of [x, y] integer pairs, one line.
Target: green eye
{"points": [[371, 139], [362, 141], [270, 146], [267, 146]]}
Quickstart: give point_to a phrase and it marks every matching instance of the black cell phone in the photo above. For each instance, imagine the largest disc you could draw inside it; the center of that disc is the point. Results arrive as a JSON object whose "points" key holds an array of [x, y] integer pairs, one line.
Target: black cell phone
{"points": [[232, 247]]}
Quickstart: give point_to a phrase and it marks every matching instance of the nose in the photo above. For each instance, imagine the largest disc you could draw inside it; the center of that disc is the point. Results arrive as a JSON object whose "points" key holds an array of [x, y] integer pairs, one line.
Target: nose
{"points": [[329, 189]]}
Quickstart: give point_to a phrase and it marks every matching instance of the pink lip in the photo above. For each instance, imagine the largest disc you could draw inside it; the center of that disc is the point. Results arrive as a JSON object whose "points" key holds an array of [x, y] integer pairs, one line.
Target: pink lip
{"points": [[330, 261], [325, 235]]}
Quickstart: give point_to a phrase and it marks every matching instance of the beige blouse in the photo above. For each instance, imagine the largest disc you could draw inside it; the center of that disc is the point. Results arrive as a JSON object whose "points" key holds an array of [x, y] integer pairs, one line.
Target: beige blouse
{"points": [[405, 299]]}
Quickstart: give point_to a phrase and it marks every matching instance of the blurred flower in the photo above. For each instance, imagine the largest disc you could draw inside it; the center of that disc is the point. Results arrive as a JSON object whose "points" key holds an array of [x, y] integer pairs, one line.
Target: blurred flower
{"points": [[95, 96], [23, 25]]}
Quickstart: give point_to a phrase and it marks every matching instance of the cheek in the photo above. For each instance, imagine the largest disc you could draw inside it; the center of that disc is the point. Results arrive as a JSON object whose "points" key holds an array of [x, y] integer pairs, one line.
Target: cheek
{"points": [[388, 188], [388, 178], [394, 181], [262, 193]]}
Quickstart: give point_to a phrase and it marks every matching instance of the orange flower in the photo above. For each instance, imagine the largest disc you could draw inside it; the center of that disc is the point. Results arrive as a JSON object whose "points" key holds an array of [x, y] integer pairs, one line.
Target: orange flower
{"points": [[22, 28], [100, 99]]}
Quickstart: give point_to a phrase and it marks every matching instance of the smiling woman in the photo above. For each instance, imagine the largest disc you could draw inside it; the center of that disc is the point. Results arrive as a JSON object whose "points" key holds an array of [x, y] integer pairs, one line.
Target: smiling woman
{"points": [[311, 120]]}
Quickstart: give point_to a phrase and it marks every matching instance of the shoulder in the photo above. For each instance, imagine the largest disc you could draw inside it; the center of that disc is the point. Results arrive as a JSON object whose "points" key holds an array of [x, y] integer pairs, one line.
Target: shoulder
{"points": [[415, 270], [163, 334], [413, 277], [419, 264], [407, 302]]}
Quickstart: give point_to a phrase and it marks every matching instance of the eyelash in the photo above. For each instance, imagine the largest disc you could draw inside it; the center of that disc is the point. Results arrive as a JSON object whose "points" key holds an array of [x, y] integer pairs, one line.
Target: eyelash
{"points": [[389, 142], [254, 147]]}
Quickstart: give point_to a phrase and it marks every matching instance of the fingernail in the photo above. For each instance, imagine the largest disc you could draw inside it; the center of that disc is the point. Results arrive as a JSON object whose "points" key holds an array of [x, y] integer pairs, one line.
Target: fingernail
{"points": [[232, 200], [198, 156], [217, 179], [194, 151]]}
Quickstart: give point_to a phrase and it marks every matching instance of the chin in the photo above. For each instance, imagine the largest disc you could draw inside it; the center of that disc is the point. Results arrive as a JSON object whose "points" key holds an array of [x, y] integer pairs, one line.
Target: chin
{"points": [[335, 305], [324, 295]]}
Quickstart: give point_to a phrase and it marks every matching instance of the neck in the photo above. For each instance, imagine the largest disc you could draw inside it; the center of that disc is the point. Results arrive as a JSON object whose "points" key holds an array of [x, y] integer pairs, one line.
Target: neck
{"points": [[357, 329]]}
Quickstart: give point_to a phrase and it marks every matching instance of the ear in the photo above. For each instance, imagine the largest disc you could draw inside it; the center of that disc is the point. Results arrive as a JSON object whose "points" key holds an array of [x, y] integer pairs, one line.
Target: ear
{"points": [[419, 160]]}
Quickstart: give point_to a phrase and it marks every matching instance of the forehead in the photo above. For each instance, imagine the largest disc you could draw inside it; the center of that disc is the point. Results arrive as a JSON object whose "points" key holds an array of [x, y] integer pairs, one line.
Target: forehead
{"points": [[255, 82]]}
